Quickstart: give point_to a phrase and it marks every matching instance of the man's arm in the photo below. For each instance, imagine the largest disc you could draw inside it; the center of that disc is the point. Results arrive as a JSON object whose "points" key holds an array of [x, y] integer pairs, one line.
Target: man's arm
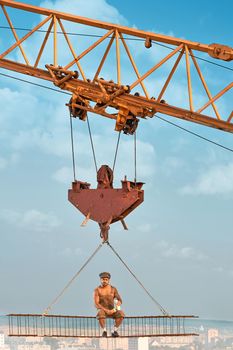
{"points": [[117, 296], [97, 299]]}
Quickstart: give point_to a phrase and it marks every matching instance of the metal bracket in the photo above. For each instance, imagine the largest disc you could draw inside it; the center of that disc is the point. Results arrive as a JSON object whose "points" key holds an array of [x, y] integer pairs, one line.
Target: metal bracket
{"points": [[85, 221]]}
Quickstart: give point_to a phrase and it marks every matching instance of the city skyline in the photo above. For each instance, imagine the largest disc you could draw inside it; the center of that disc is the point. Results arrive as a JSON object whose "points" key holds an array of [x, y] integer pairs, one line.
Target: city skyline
{"points": [[212, 335], [179, 241]]}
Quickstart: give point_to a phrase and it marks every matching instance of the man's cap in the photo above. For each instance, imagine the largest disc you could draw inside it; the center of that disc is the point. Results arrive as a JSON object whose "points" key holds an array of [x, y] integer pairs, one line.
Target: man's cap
{"points": [[104, 275]]}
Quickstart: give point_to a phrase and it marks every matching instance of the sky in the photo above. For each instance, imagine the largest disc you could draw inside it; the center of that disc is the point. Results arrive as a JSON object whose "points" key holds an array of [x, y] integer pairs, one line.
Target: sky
{"points": [[179, 242]]}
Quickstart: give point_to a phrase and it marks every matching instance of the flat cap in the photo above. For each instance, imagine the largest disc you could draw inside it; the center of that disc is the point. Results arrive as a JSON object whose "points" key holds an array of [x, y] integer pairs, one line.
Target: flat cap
{"points": [[104, 275]]}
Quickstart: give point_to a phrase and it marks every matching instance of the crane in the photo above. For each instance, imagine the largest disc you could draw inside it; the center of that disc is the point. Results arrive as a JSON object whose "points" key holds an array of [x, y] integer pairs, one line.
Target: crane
{"points": [[109, 98], [116, 100]]}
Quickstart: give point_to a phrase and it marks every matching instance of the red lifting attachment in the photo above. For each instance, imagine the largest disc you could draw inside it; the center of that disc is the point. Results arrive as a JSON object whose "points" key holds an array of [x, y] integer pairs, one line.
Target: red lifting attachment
{"points": [[106, 204]]}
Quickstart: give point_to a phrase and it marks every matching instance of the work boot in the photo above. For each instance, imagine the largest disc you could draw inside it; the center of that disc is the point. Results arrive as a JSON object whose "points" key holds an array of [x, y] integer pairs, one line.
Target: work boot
{"points": [[115, 334], [104, 334]]}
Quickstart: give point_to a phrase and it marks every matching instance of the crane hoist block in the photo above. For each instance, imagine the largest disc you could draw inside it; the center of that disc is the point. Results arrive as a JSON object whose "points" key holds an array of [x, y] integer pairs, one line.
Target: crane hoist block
{"points": [[106, 204]]}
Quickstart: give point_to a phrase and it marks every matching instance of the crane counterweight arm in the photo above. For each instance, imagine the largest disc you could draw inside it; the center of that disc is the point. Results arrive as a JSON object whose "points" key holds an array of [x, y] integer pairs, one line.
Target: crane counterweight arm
{"points": [[99, 95]]}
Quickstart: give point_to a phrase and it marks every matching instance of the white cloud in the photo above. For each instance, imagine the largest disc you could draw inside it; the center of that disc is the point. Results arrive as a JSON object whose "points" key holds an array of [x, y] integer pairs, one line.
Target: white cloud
{"points": [[42, 222], [94, 9], [49, 132], [172, 164], [9, 160], [85, 170], [63, 175], [219, 269], [223, 270], [145, 228], [97, 9], [13, 108], [146, 157], [55, 143], [173, 251], [10, 216], [217, 180], [31, 219], [71, 252], [40, 126]]}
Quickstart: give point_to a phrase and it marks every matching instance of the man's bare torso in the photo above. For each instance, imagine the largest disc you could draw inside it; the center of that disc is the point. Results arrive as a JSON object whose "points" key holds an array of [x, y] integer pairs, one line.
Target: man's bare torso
{"points": [[106, 296]]}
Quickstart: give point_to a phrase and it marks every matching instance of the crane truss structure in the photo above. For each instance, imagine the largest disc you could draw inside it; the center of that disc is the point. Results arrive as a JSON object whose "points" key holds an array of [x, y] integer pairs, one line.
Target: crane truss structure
{"points": [[22, 325], [60, 58]]}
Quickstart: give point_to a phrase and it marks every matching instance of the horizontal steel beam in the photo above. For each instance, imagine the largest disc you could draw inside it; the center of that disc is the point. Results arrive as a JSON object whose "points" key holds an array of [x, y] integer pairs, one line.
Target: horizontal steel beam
{"points": [[92, 91], [122, 29], [26, 325]]}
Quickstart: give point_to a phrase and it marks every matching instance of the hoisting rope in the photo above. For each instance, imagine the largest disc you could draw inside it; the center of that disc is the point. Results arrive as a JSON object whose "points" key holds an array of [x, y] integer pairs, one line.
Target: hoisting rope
{"points": [[92, 144], [46, 311], [116, 152], [165, 313], [72, 146], [135, 157], [93, 149]]}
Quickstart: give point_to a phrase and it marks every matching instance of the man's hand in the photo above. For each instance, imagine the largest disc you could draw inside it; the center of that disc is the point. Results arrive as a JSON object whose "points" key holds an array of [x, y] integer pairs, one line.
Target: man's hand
{"points": [[110, 312]]}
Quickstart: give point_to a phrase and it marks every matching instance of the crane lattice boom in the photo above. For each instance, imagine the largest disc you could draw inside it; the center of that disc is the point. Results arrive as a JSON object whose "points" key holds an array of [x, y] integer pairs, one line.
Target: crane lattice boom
{"points": [[113, 99]]}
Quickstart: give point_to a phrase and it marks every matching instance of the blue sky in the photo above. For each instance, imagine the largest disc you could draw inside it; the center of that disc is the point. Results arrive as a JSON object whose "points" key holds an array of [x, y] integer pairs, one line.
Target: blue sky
{"points": [[179, 241], [197, 20]]}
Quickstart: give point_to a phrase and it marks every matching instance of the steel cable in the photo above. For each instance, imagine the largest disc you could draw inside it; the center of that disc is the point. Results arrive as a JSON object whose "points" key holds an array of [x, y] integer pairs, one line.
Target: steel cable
{"points": [[72, 146], [46, 311], [116, 152], [135, 157], [195, 134], [92, 144], [139, 282]]}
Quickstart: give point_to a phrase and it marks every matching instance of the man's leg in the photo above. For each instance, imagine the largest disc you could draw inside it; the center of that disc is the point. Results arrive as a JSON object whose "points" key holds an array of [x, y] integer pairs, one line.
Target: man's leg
{"points": [[102, 322], [119, 316], [118, 321], [102, 318]]}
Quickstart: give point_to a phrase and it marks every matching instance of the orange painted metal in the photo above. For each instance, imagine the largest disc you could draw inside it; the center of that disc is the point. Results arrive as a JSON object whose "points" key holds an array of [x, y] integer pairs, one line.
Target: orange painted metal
{"points": [[96, 94], [105, 204], [138, 106], [215, 50], [14, 33]]}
